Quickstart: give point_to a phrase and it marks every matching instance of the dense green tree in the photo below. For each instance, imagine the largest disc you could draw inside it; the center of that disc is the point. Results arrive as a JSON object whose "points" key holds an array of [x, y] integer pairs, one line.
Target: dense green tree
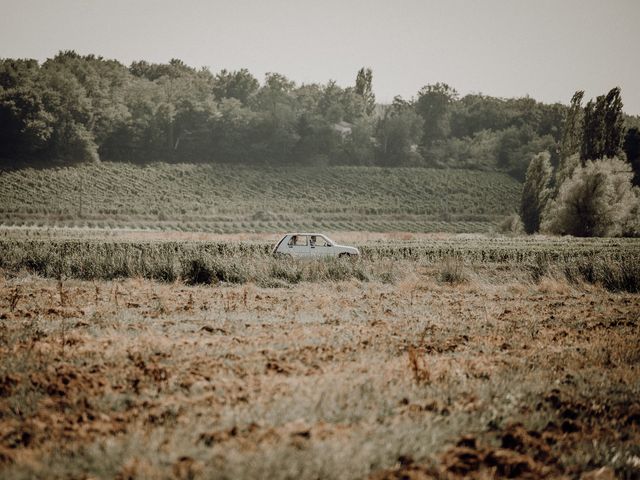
{"points": [[474, 113], [190, 108], [18, 73], [359, 147], [273, 139], [536, 191], [433, 105], [25, 125], [66, 99], [632, 151], [603, 128], [239, 84], [475, 152], [517, 145], [143, 138], [231, 132], [153, 71], [551, 120], [398, 132], [86, 94], [273, 129], [524, 111], [307, 98], [354, 106], [330, 104], [318, 142]]}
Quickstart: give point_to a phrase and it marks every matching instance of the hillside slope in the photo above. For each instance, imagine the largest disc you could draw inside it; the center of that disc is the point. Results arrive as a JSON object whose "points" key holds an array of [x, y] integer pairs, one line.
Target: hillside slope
{"points": [[230, 199]]}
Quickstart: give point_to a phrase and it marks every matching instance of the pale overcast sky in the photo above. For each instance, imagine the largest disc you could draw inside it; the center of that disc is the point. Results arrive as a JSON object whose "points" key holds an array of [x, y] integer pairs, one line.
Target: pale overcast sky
{"points": [[546, 49]]}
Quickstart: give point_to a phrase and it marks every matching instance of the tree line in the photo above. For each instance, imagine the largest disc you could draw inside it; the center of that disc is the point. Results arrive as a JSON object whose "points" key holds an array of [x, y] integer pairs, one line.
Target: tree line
{"points": [[593, 190], [580, 162], [74, 108]]}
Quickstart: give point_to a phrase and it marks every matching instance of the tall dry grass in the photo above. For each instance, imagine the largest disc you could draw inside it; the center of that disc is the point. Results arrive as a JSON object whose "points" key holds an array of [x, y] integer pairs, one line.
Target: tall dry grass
{"points": [[614, 264]]}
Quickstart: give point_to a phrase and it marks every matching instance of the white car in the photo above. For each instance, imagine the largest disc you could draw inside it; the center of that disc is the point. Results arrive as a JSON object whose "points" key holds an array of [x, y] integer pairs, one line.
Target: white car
{"points": [[312, 245]]}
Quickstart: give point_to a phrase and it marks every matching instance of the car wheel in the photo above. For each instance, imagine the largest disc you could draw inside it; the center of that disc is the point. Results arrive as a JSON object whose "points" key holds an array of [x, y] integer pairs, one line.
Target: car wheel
{"points": [[344, 255]]}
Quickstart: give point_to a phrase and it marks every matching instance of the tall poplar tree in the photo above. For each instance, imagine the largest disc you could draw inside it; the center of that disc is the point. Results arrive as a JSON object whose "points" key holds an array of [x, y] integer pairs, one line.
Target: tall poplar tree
{"points": [[613, 123], [603, 127], [571, 141], [572, 131], [364, 88]]}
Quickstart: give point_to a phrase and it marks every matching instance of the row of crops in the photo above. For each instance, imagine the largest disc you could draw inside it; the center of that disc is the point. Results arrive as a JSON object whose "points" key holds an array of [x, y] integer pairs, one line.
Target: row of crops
{"points": [[519, 250], [363, 224], [231, 198]]}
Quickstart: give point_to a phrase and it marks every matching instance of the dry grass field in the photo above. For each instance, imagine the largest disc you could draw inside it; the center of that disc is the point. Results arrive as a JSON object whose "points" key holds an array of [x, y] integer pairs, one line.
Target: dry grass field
{"points": [[439, 373]]}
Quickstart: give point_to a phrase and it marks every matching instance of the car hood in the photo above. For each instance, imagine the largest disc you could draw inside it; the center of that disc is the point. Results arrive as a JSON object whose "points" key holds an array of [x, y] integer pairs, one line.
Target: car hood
{"points": [[347, 249]]}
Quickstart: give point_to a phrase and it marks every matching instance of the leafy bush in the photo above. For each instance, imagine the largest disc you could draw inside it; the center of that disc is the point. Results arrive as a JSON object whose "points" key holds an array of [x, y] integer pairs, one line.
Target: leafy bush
{"points": [[598, 200]]}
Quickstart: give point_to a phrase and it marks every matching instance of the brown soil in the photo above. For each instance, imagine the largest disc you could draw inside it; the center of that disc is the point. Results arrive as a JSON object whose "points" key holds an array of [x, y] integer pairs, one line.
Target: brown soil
{"points": [[136, 379]]}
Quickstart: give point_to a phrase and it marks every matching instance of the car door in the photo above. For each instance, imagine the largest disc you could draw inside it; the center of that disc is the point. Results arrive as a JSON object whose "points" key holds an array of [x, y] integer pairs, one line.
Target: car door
{"points": [[320, 246], [298, 246]]}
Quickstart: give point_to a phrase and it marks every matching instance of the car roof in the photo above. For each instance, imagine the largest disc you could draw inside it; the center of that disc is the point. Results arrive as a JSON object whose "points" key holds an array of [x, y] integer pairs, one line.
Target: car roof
{"points": [[307, 233]]}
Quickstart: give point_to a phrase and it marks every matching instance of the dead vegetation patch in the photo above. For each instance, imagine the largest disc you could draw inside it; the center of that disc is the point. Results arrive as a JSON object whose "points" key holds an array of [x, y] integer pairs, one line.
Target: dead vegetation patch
{"points": [[395, 376]]}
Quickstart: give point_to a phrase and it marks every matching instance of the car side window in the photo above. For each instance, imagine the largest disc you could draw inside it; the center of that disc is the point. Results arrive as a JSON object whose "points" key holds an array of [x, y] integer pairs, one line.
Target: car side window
{"points": [[298, 241], [320, 241]]}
